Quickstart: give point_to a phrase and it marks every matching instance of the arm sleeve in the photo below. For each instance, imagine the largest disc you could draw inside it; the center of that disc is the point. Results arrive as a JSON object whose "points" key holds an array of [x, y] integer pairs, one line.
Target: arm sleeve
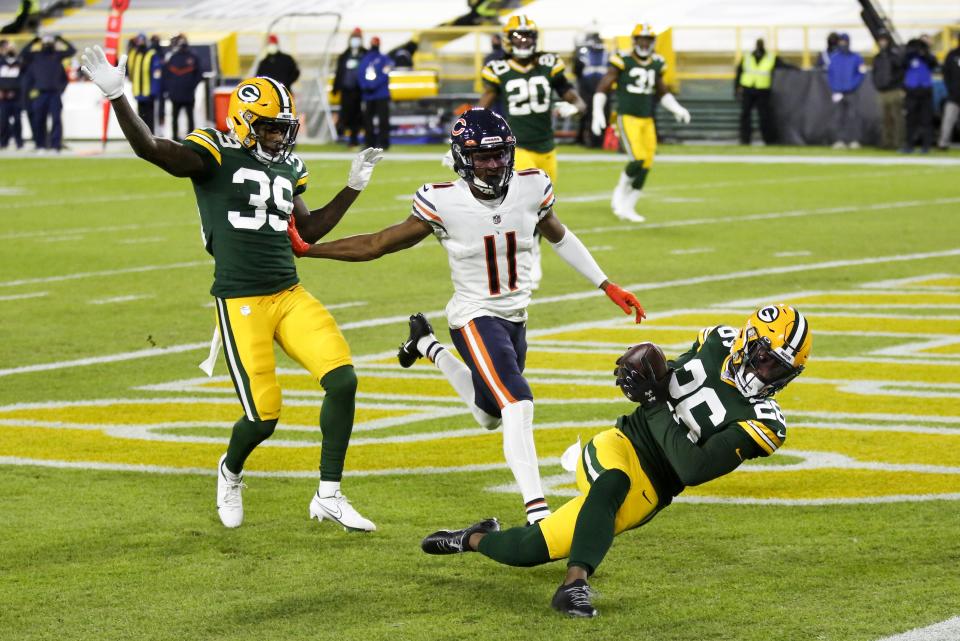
{"points": [[573, 251], [696, 464]]}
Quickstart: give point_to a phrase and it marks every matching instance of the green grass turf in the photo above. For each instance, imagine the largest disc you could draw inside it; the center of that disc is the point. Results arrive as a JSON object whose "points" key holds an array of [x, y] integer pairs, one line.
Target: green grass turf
{"points": [[119, 555]]}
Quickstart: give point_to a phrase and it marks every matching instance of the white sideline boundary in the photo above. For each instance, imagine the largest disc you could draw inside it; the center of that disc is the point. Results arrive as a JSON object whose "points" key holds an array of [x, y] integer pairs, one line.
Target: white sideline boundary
{"points": [[948, 630]]}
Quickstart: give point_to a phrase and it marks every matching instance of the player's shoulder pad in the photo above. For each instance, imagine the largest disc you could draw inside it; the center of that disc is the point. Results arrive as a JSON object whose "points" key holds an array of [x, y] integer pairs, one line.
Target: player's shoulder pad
{"points": [[552, 62], [303, 176], [493, 70], [212, 142], [616, 60], [768, 433], [424, 206]]}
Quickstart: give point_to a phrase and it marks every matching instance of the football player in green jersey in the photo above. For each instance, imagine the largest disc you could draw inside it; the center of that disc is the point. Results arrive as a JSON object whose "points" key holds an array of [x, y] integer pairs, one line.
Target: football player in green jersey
{"points": [[525, 82], [248, 185], [639, 80], [712, 411]]}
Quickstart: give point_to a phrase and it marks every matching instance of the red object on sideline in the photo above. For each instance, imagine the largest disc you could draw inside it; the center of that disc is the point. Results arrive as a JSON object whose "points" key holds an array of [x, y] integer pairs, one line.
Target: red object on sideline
{"points": [[111, 43]]}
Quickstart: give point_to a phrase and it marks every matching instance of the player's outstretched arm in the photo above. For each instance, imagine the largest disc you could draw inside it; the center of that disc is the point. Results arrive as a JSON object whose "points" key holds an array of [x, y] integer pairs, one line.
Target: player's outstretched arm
{"points": [[169, 155], [572, 250], [314, 225], [364, 247], [599, 120]]}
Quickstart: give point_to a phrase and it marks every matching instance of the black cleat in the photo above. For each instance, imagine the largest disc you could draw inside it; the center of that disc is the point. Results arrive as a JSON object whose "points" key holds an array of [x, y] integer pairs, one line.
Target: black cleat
{"points": [[574, 600], [419, 327], [447, 542]]}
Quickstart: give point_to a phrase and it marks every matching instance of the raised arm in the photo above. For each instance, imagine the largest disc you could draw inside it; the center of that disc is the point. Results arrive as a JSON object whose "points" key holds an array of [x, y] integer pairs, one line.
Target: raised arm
{"points": [[488, 97], [169, 155], [365, 247], [314, 225]]}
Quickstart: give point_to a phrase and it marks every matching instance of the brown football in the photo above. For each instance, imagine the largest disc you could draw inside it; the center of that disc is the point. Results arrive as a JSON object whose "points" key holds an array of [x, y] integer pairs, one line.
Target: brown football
{"points": [[639, 357]]}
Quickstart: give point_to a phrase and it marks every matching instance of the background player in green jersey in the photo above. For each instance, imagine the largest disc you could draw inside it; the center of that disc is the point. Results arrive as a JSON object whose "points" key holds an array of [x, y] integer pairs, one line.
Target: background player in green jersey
{"points": [[525, 82], [639, 80], [713, 411], [248, 184]]}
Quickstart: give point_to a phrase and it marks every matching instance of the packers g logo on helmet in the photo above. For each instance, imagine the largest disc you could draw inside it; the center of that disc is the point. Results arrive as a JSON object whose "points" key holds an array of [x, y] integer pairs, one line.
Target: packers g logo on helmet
{"points": [[520, 36], [643, 39], [258, 102], [770, 351]]}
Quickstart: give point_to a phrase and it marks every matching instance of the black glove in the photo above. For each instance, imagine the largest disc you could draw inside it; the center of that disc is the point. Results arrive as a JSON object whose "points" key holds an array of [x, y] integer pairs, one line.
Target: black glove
{"points": [[641, 387]]}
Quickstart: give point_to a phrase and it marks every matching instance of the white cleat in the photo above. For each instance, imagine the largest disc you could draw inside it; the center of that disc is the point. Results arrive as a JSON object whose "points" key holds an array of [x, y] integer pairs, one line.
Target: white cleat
{"points": [[338, 509], [229, 498], [627, 210]]}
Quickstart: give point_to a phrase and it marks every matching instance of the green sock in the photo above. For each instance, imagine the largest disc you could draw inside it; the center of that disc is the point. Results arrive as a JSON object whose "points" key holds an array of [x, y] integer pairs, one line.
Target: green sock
{"points": [[593, 534], [336, 420], [246, 436], [518, 546], [637, 173]]}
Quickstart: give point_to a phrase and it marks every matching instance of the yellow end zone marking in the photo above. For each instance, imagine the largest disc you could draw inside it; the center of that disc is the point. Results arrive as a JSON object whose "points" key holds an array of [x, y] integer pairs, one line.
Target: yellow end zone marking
{"points": [[569, 365]]}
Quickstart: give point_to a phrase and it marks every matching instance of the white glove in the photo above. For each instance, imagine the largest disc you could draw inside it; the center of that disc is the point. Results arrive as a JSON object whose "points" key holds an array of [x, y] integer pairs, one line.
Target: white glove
{"points": [[362, 168], [599, 122], [447, 160], [837, 97], [670, 104], [565, 110], [109, 79]]}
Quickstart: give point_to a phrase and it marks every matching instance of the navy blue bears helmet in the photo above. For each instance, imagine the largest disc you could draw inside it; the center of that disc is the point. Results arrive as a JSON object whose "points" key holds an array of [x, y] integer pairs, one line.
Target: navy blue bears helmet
{"points": [[476, 130]]}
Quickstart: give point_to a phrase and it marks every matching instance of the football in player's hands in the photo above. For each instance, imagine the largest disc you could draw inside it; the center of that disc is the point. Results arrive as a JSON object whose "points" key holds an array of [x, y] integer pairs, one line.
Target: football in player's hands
{"points": [[642, 374]]}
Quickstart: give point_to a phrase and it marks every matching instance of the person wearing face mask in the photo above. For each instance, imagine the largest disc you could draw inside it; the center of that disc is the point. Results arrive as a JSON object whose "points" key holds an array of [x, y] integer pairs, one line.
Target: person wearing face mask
{"points": [[10, 99], [845, 74], [181, 75], [145, 67], [373, 75], [44, 81], [753, 86], [278, 65], [347, 85]]}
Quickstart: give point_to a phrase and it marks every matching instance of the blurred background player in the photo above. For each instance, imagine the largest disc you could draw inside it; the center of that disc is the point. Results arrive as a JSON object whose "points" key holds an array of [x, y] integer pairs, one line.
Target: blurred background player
{"points": [[589, 67], [524, 83], [249, 187], [712, 411], [486, 221], [753, 87], [639, 80]]}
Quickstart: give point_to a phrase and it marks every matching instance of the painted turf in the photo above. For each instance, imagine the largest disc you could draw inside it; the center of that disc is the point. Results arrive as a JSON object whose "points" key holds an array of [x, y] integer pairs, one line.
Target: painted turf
{"points": [[876, 427]]}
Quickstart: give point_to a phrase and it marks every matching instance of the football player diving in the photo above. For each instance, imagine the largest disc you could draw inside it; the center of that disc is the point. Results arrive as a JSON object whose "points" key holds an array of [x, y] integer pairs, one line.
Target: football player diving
{"points": [[639, 80], [710, 411], [525, 82], [486, 222], [248, 186]]}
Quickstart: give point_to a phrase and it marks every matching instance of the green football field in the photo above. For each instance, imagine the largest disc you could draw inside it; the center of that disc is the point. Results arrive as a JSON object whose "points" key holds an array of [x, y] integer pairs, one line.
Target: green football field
{"points": [[110, 434]]}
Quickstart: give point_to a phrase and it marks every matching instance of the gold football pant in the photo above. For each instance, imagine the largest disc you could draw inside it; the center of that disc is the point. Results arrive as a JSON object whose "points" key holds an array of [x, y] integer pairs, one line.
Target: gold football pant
{"points": [[526, 159], [639, 138], [608, 450], [293, 318]]}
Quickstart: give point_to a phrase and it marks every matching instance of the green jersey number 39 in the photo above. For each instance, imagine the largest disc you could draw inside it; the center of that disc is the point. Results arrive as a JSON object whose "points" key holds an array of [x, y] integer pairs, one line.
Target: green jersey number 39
{"points": [[282, 191]]}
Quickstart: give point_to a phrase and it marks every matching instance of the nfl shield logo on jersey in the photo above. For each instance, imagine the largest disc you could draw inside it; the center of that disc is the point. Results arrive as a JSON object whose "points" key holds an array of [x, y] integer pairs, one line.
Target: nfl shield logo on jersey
{"points": [[496, 219]]}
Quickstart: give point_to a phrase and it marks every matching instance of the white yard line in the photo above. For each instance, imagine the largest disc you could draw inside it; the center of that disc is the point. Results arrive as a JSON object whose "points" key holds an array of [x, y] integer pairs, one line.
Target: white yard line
{"points": [[105, 272], [22, 296], [390, 320]]}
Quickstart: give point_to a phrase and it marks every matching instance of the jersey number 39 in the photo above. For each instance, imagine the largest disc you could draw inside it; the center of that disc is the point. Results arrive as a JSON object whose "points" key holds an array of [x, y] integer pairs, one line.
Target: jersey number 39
{"points": [[281, 190]]}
